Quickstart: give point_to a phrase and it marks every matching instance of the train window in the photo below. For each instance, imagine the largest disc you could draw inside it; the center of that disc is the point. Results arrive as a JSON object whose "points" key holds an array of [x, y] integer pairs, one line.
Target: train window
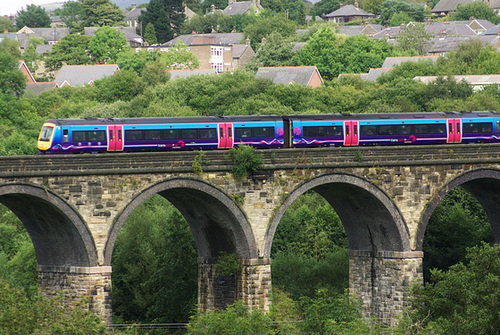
{"points": [[436, 128], [311, 131], [171, 134], [335, 131], [65, 135], [402, 129], [152, 134], [46, 133], [79, 136], [133, 135], [206, 133], [189, 134], [368, 130], [497, 126], [242, 132], [261, 132], [384, 130], [420, 129], [479, 127], [96, 136]]}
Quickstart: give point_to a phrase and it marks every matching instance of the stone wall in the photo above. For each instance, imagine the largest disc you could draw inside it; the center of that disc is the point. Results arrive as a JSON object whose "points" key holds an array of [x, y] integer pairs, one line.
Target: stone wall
{"points": [[79, 284]]}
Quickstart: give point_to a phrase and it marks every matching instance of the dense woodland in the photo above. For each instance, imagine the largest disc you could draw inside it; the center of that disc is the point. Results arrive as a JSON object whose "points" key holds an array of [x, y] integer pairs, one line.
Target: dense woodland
{"points": [[154, 261]]}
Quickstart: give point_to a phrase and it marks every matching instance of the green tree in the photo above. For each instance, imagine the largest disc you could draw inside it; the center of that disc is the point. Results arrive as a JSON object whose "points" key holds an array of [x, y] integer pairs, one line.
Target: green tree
{"points": [[390, 7], [150, 34], [105, 46], [373, 6], [204, 24], [135, 61], [11, 47], [99, 13], [399, 18], [11, 78], [478, 10], [218, 4], [276, 51], [264, 26], [463, 300], [166, 16], [71, 50], [70, 14], [324, 7], [30, 56], [33, 17], [295, 10], [414, 38], [180, 57], [6, 24]]}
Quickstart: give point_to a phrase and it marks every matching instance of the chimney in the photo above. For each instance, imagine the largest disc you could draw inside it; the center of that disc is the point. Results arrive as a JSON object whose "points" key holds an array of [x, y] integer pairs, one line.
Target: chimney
{"points": [[356, 5], [133, 6], [212, 8], [471, 18], [229, 2], [263, 40], [193, 31], [498, 32], [341, 5], [442, 34], [247, 41]]}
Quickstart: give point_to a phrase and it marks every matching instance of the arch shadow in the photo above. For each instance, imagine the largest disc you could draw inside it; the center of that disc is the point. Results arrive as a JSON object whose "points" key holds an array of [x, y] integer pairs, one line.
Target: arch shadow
{"points": [[371, 220], [216, 222], [58, 232], [484, 184]]}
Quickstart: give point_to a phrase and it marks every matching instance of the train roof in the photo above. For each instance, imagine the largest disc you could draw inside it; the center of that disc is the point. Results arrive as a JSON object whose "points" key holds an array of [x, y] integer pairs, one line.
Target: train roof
{"points": [[158, 120], [394, 116]]}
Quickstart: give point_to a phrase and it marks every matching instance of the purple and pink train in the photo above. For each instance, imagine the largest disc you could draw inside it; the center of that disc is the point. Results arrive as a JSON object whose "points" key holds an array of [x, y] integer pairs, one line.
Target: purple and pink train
{"points": [[97, 135]]}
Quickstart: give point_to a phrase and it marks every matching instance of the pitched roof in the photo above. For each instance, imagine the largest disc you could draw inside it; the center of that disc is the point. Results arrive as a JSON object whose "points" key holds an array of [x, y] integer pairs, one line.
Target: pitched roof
{"points": [[393, 61], [43, 48], [480, 79], [297, 46], [348, 10], [48, 34], [373, 74], [445, 6], [189, 72], [236, 8], [288, 74], [135, 13], [21, 65], [38, 88], [220, 39], [443, 45], [75, 75], [129, 33], [239, 50]]}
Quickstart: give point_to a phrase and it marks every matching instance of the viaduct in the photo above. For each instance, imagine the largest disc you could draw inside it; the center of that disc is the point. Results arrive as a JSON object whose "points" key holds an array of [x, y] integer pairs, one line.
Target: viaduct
{"points": [[74, 206]]}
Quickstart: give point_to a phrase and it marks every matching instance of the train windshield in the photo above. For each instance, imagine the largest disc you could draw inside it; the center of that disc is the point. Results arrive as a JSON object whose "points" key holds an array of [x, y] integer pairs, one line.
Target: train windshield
{"points": [[46, 133]]}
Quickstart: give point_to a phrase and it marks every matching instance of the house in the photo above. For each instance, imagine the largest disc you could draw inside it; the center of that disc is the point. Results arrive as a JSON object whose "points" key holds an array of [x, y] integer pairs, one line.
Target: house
{"points": [[476, 81], [348, 13], [79, 75], [220, 51], [133, 39], [131, 18], [51, 35], [302, 75], [242, 7], [174, 74], [447, 7], [29, 79]]}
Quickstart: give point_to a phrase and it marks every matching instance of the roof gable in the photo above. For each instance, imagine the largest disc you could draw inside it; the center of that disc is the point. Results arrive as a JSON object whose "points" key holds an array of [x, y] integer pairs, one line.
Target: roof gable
{"points": [[236, 8]]}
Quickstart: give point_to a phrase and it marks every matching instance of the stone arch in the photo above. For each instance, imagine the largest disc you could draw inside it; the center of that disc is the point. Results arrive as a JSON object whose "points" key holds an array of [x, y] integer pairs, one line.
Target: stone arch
{"points": [[484, 184], [217, 223], [58, 232], [372, 221]]}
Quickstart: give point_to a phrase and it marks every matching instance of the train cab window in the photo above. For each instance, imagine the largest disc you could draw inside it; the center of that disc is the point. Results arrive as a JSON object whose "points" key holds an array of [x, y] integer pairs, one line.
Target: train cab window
{"points": [[152, 135], [96, 136], [207, 133], [79, 136], [133, 135], [171, 134], [46, 133]]}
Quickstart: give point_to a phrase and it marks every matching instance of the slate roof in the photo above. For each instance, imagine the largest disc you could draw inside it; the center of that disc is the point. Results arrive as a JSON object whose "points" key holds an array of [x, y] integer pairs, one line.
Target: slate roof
{"points": [[220, 39], [134, 13], [493, 30], [75, 75], [239, 50], [351, 30], [445, 6], [373, 74], [348, 10], [48, 34], [236, 8], [443, 45], [43, 48], [391, 62], [37, 88], [480, 79], [187, 73], [287, 74], [129, 33]]}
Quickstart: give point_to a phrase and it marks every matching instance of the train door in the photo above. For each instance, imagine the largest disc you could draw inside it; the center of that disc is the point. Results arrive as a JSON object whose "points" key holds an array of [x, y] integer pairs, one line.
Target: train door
{"points": [[225, 135], [115, 138], [454, 131], [351, 133]]}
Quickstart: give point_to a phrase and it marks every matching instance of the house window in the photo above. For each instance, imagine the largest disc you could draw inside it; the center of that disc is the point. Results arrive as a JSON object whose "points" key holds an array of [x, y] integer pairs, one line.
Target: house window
{"points": [[217, 58]]}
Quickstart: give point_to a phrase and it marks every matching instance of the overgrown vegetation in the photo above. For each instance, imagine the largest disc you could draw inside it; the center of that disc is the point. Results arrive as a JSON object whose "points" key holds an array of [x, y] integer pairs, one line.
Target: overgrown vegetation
{"points": [[245, 159]]}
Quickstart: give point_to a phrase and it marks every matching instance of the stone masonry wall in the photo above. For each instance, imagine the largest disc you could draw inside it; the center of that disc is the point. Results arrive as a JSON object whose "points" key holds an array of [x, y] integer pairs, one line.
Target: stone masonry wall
{"points": [[77, 283]]}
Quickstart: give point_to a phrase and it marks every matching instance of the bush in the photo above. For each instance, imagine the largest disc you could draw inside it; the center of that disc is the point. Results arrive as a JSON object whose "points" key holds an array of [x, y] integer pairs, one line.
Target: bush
{"points": [[244, 159]]}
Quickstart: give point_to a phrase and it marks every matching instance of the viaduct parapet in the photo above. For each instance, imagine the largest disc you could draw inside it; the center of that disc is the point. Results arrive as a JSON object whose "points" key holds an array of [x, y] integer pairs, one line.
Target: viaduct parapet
{"points": [[74, 206]]}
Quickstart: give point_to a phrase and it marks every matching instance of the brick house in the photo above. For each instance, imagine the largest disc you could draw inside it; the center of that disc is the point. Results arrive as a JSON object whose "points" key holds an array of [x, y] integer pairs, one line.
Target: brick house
{"points": [[348, 13]]}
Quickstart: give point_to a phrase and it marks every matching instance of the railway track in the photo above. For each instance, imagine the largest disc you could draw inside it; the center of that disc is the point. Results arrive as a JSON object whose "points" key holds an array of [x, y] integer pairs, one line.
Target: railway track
{"points": [[221, 160]]}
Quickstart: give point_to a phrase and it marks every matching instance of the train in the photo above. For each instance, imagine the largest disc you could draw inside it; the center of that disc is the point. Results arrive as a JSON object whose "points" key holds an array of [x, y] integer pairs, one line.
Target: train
{"points": [[102, 135]]}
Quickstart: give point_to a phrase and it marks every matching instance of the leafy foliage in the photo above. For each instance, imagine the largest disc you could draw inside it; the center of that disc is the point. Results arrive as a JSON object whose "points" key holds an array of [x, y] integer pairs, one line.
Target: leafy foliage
{"points": [[11, 78], [390, 7], [245, 160], [100, 13], [105, 46], [166, 16], [34, 17], [6, 24], [71, 50], [477, 10], [70, 15]]}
